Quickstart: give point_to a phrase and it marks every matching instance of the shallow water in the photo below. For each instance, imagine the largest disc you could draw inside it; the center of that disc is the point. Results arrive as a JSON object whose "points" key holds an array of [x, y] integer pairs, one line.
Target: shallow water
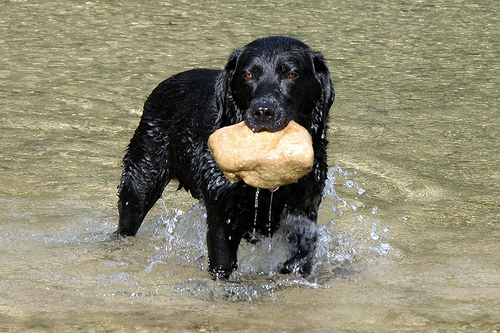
{"points": [[410, 221]]}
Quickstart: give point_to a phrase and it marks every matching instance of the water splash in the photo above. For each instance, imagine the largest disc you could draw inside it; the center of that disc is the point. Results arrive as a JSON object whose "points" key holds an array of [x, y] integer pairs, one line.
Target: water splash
{"points": [[350, 231], [183, 235], [249, 289], [349, 234]]}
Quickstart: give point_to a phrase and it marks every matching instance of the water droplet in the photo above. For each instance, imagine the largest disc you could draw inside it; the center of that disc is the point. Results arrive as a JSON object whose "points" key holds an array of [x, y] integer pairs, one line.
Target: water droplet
{"points": [[256, 206], [269, 224]]}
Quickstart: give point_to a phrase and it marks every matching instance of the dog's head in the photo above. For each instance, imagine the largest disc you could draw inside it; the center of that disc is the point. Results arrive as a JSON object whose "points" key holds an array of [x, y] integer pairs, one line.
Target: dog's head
{"points": [[271, 81]]}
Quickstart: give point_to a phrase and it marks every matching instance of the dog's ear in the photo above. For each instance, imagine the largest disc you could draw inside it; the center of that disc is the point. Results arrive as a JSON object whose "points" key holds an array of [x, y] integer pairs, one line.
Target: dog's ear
{"points": [[328, 93], [323, 75], [223, 94]]}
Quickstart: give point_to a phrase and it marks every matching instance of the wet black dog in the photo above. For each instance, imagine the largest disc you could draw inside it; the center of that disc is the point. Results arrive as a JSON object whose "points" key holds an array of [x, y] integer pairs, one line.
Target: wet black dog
{"points": [[267, 83]]}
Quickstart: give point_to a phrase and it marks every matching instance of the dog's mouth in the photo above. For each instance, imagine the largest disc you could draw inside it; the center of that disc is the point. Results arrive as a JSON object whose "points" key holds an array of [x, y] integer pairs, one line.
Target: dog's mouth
{"points": [[265, 116], [256, 128]]}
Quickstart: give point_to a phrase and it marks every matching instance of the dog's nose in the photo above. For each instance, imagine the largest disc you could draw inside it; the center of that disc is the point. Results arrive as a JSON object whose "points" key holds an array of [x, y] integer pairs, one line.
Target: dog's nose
{"points": [[263, 112], [264, 115]]}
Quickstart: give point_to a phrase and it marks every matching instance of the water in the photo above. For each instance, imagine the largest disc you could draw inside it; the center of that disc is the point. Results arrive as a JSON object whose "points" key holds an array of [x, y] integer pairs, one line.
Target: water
{"points": [[409, 223], [256, 206]]}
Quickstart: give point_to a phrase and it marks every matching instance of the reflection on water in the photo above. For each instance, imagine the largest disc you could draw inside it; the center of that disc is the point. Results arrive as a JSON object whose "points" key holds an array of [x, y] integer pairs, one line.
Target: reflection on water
{"points": [[409, 221]]}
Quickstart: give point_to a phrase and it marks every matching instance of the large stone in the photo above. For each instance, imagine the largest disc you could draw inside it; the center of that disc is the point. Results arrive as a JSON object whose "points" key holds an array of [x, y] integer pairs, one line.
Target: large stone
{"points": [[264, 159]]}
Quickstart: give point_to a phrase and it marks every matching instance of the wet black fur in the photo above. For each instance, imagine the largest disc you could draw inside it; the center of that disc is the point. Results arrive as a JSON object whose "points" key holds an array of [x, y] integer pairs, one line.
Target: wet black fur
{"points": [[266, 83]]}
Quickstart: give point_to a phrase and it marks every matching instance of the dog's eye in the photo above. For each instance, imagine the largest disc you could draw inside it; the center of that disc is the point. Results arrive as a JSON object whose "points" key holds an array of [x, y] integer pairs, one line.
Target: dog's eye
{"points": [[248, 76], [291, 75]]}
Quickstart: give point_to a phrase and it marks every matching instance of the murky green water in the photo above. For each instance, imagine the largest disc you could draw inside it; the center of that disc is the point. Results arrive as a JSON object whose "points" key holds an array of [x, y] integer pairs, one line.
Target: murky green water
{"points": [[411, 226]]}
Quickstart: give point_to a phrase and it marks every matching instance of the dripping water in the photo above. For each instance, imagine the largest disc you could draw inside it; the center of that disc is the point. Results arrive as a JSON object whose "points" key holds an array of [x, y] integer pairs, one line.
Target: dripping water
{"points": [[269, 224], [256, 206]]}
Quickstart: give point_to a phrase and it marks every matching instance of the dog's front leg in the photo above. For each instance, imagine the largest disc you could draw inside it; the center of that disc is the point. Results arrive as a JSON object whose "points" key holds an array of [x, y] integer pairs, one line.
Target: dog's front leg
{"points": [[222, 243], [301, 234]]}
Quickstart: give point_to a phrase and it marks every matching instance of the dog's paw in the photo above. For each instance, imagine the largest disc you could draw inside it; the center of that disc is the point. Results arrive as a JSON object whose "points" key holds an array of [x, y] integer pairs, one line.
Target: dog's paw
{"points": [[297, 267]]}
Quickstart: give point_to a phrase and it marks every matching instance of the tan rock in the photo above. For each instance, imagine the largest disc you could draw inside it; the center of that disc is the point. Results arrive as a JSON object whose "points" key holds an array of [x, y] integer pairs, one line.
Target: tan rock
{"points": [[264, 159]]}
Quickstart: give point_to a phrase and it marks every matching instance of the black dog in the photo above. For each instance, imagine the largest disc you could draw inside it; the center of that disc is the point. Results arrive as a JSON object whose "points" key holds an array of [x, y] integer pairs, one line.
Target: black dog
{"points": [[266, 84]]}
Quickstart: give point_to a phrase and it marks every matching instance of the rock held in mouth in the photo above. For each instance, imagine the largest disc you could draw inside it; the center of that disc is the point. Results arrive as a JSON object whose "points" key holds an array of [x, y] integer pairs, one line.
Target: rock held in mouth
{"points": [[264, 159]]}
